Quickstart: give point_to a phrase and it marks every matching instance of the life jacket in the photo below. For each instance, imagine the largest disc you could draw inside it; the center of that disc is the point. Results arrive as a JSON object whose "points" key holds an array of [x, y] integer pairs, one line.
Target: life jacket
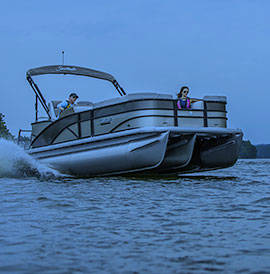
{"points": [[67, 107], [188, 105]]}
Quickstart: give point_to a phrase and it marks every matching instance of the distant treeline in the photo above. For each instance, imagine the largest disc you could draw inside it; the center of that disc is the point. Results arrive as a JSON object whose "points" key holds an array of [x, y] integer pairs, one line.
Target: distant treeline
{"points": [[249, 151], [263, 151], [4, 132]]}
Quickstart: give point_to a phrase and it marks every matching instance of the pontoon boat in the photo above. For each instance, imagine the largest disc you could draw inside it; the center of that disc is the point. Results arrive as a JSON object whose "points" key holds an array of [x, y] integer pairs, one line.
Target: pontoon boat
{"points": [[140, 132]]}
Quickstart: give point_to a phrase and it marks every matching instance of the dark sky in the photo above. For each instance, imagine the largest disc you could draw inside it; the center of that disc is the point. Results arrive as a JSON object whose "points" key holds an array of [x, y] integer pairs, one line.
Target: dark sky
{"points": [[215, 47]]}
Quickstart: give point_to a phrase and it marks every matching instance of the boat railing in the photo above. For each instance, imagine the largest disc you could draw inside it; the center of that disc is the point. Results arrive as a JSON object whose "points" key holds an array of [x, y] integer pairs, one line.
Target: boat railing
{"points": [[24, 141], [130, 114]]}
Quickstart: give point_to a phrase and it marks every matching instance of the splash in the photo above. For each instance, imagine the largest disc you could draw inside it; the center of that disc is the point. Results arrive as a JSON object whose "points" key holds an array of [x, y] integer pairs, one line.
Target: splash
{"points": [[16, 163]]}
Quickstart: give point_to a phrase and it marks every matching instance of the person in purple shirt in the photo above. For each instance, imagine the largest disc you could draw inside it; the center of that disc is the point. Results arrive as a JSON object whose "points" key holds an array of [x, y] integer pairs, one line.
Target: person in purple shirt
{"points": [[67, 103], [183, 101]]}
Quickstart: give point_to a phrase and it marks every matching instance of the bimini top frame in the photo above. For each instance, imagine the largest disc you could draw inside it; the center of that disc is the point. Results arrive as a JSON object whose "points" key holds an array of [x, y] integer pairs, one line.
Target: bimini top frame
{"points": [[73, 70]]}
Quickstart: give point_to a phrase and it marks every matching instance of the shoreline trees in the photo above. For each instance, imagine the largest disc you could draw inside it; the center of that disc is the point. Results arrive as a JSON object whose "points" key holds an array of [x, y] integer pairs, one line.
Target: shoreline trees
{"points": [[4, 132]]}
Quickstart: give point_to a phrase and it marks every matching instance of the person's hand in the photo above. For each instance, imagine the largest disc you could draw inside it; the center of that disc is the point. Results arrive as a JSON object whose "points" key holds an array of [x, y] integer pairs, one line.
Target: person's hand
{"points": [[193, 100]]}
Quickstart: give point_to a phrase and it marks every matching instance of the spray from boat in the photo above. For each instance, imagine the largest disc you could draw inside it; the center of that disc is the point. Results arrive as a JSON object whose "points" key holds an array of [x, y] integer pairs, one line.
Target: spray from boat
{"points": [[16, 163]]}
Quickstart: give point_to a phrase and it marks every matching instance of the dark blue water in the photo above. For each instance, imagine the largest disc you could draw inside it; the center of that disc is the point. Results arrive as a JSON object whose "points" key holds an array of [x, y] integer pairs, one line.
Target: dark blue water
{"points": [[212, 222]]}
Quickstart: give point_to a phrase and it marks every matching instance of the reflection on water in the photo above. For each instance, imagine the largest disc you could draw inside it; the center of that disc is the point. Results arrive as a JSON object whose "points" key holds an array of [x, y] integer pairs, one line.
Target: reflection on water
{"points": [[209, 177], [215, 221]]}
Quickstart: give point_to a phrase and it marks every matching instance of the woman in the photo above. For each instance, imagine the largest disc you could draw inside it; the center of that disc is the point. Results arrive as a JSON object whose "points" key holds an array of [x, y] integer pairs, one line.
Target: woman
{"points": [[183, 101]]}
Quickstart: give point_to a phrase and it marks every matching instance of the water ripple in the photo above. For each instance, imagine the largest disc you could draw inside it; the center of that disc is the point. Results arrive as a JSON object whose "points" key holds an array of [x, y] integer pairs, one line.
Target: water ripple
{"points": [[188, 224]]}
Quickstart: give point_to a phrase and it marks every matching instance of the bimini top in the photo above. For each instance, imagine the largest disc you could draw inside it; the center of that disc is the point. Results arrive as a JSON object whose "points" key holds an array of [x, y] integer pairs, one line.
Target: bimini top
{"points": [[74, 70]]}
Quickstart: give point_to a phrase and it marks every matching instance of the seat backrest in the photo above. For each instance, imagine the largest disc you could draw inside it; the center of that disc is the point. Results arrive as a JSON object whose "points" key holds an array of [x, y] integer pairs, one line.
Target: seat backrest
{"points": [[197, 105], [53, 108], [83, 106], [131, 97]]}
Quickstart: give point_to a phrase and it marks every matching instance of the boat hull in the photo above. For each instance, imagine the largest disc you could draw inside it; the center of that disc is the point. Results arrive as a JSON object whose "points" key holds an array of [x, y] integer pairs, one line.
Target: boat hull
{"points": [[151, 150]]}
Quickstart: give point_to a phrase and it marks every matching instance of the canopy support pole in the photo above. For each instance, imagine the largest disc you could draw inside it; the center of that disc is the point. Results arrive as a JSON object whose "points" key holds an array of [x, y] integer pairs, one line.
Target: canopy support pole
{"points": [[119, 88], [36, 108], [39, 96]]}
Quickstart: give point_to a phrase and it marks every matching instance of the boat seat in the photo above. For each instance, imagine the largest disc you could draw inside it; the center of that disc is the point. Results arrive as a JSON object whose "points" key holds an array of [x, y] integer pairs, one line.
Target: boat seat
{"points": [[53, 108], [197, 105], [220, 99], [131, 97], [82, 106]]}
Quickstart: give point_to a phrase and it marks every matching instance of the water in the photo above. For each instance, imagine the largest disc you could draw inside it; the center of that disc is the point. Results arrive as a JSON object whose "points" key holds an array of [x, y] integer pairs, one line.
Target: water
{"points": [[211, 222]]}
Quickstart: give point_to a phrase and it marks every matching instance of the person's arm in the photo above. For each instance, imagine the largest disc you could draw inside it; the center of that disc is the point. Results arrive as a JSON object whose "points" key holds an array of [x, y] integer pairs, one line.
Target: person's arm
{"points": [[178, 104], [193, 100], [62, 106]]}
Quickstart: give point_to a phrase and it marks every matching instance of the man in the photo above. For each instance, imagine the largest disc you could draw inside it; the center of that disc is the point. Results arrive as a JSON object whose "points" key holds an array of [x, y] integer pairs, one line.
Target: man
{"points": [[67, 103]]}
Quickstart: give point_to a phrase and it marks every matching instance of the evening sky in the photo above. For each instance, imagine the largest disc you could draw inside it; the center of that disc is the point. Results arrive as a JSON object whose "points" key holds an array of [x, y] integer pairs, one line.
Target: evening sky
{"points": [[214, 47]]}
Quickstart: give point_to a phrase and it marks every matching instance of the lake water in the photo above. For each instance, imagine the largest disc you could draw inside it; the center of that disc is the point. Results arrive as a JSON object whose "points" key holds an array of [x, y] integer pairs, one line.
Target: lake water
{"points": [[209, 222]]}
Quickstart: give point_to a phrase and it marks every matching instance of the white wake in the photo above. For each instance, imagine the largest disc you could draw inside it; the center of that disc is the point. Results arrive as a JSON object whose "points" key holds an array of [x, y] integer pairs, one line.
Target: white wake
{"points": [[16, 163]]}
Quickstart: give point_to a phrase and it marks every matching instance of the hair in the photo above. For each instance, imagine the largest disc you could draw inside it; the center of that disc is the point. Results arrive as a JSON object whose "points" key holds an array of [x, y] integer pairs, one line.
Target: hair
{"points": [[74, 95], [181, 91]]}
